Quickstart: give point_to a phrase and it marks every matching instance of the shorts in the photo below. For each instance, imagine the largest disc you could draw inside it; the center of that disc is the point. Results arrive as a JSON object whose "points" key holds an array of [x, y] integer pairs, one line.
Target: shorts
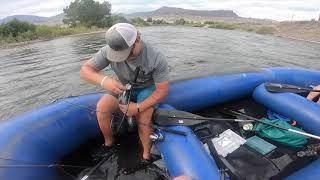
{"points": [[138, 95]]}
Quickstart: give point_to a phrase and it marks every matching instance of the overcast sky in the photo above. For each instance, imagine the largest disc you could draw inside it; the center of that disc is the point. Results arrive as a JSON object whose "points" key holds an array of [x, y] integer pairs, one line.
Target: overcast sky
{"points": [[270, 9]]}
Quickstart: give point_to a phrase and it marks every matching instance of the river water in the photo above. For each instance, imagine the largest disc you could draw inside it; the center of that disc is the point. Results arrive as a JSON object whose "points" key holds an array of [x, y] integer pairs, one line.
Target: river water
{"points": [[35, 74]]}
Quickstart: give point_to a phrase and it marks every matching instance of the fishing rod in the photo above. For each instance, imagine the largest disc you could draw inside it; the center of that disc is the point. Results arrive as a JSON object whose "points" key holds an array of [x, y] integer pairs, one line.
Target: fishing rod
{"points": [[277, 126], [275, 87], [41, 165], [104, 159], [153, 126], [30, 164], [125, 97]]}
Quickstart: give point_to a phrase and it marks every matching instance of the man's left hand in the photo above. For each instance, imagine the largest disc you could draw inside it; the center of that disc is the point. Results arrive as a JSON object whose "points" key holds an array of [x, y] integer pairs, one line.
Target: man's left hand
{"points": [[132, 109]]}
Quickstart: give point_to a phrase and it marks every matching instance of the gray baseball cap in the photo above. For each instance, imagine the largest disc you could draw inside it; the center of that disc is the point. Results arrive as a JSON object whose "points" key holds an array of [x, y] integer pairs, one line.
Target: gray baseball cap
{"points": [[120, 39]]}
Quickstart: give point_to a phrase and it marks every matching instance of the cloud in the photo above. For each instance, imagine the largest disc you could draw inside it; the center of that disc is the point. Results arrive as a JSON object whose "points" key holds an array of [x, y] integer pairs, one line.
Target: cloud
{"points": [[269, 9], [32, 7]]}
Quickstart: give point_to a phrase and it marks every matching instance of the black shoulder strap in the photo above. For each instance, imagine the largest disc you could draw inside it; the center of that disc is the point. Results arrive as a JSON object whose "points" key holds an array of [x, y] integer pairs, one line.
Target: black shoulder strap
{"points": [[136, 74], [214, 154], [222, 163]]}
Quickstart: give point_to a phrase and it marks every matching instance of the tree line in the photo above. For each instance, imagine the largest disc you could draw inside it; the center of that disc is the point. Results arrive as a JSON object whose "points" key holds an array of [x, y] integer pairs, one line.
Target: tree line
{"points": [[80, 16]]}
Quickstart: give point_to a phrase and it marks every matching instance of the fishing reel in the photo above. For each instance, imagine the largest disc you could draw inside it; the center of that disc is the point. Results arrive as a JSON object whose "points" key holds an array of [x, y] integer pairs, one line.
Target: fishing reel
{"points": [[124, 99]]}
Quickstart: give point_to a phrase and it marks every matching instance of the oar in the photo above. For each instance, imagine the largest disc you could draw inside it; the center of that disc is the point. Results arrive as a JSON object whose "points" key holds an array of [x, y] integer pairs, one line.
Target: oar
{"points": [[274, 87], [170, 130], [166, 117], [180, 120], [277, 126]]}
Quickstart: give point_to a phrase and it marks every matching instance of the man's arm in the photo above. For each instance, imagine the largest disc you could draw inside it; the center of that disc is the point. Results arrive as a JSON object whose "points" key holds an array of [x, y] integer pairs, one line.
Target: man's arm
{"points": [[161, 79], [91, 74], [160, 93], [90, 70]]}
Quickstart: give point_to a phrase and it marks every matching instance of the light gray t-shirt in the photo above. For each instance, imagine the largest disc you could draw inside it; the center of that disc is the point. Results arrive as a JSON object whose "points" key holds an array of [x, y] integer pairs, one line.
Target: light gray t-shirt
{"points": [[153, 65]]}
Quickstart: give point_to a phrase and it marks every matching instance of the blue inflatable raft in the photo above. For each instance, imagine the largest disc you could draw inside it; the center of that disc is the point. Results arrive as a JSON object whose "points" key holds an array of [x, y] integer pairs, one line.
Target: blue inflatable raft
{"points": [[47, 134]]}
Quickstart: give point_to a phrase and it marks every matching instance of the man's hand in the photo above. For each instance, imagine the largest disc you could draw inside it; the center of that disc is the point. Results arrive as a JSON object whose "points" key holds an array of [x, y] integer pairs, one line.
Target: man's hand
{"points": [[113, 85], [132, 109], [312, 95]]}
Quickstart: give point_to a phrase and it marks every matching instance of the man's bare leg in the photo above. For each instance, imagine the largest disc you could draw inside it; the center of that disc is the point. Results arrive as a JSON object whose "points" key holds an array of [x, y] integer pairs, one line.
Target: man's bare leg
{"points": [[144, 126], [105, 107]]}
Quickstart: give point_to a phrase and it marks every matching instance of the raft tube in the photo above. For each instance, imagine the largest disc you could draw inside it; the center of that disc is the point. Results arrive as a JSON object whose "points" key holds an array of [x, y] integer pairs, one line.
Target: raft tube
{"points": [[305, 112], [47, 134]]}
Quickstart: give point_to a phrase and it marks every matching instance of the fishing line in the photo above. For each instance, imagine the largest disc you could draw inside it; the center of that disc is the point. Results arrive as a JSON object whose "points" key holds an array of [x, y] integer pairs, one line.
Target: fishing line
{"points": [[31, 164], [122, 118]]}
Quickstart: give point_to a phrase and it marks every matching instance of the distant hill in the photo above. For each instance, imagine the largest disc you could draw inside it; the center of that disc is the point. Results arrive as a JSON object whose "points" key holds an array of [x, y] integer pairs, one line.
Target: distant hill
{"points": [[56, 19], [171, 14], [186, 12], [35, 19]]}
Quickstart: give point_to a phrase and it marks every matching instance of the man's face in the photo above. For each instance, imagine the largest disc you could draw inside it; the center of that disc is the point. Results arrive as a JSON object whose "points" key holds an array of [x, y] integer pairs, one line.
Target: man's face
{"points": [[136, 49]]}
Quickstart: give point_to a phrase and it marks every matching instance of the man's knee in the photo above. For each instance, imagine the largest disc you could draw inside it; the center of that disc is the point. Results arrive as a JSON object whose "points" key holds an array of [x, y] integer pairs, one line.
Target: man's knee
{"points": [[107, 104], [146, 116]]}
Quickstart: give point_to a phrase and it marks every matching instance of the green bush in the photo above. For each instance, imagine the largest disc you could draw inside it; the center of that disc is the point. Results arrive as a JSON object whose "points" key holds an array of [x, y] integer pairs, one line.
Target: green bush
{"points": [[198, 25], [222, 25], [11, 35], [7, 39], [265, 30], [138, 22], [159, 21], [15, 27], [149, 19], [250, 29], [118, 19], [209, 22], [180, 21]]}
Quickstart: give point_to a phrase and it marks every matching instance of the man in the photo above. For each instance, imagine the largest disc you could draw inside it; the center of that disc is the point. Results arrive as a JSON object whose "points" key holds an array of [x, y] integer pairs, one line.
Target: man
{"points": [[314, 95], [124, 52]]}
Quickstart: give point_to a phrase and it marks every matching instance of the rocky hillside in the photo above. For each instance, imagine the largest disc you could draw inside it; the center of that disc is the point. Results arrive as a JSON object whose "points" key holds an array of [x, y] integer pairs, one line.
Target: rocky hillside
{"points": [[36, 19], [170, 14], [185, 12]]}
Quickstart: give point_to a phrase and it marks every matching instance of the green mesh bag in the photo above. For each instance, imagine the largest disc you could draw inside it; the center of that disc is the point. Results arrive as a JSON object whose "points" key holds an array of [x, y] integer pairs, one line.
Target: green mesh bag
{"points": [[279, 135]]}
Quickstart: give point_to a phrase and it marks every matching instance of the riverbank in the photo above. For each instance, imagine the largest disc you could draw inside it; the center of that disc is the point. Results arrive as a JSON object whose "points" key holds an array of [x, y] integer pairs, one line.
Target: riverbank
{"points": [[298, 30], [43, 33], [8, 45]]}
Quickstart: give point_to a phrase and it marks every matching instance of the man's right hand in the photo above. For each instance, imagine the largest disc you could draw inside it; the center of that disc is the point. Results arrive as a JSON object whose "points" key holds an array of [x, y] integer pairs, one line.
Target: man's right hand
{"points": [[113, 85]]}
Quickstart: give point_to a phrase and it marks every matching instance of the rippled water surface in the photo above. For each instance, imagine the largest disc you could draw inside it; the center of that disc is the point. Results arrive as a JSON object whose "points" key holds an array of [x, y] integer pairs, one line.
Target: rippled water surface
{"points": [[35, 74]]}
